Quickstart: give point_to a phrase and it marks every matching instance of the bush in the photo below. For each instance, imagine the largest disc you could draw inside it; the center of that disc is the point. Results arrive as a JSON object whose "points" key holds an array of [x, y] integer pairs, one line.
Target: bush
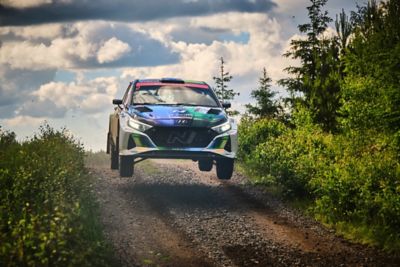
{"points": [[353, 179], [47, 213], [362, 187], [277, 154]]}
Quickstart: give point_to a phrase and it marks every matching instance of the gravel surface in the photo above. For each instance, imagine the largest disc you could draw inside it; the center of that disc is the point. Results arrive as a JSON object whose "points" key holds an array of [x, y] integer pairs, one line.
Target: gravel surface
{"points": [[171, 214]]}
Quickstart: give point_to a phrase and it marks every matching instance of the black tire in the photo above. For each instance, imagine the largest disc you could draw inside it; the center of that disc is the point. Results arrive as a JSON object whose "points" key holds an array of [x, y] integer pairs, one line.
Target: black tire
{"points": [[224, 169], [125, 166], [114, 156], [114, 159], [205, 165]]}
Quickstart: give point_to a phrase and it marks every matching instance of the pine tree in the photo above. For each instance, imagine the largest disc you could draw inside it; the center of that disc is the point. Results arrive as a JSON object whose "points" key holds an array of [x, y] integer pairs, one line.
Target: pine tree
{"points": [[265, 105], [315, 83], [224, 93], [343, 29], [221, 84]]}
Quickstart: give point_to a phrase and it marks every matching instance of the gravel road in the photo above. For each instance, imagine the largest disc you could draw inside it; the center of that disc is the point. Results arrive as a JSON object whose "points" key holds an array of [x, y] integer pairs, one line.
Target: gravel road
{"points": [[171, 214]]}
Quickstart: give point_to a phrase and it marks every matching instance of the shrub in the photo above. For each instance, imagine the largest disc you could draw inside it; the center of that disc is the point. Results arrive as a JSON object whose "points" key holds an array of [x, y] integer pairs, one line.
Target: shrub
{"points": [[47, 213], [362, 187], [353, 179], [277, 154], [252, 132]]}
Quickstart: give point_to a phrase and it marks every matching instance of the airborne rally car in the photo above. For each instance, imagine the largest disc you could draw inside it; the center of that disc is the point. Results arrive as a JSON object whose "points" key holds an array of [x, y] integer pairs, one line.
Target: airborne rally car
{"points": [[175, 119]]}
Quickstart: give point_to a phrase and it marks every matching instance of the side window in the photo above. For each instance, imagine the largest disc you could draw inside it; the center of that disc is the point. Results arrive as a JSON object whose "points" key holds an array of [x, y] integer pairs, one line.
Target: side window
{"points": [[125, 99]]}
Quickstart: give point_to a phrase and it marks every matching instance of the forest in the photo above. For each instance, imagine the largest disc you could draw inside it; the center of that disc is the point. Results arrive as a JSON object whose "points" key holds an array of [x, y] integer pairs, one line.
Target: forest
{"points": [[334, 143]]}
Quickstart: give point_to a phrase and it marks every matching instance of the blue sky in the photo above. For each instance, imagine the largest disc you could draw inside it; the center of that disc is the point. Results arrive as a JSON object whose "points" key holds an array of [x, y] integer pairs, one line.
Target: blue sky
{"points": [[63, 61]]}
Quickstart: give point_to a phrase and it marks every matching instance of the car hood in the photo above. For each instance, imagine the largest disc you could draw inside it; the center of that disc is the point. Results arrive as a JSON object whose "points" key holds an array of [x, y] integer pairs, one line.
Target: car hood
{"points": [[178, 116]]}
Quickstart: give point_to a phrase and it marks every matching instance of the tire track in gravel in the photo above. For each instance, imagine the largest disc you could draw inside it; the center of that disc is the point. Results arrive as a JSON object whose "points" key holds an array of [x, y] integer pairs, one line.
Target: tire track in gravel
{"points": [[171, 214]]}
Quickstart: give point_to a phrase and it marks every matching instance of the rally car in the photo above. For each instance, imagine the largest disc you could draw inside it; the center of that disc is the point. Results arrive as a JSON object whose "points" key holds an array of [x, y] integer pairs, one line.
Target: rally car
{"points": [[174, 119]]}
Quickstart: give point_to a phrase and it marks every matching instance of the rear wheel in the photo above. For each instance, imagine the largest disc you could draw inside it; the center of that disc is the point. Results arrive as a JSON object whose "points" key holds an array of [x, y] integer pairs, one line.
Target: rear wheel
{"points": [[126, 166], [205, 165], [224, 169]]}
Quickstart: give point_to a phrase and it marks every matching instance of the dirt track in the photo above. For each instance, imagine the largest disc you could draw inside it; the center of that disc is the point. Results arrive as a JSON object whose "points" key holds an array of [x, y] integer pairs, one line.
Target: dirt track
{"points": [[171, 214]]}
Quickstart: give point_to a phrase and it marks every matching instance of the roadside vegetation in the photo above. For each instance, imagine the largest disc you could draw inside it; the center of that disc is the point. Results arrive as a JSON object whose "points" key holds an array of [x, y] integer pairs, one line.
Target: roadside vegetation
{"points": [[335, 142], [48, 214]]}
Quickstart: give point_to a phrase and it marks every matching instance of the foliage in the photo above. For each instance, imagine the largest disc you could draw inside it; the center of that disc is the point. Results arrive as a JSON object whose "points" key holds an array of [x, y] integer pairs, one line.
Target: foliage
{"points": [[252, 132], [343, 30], [371, 91], [222, 90], [288, 157], [317, 79], [265, 105], [349, 170], [47, 214], [96, 159], [360, 188], [352, 180]]}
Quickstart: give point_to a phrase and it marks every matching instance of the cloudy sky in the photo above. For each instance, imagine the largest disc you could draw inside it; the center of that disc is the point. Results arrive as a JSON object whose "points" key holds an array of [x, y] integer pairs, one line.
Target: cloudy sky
{"points": [[63, 61]]}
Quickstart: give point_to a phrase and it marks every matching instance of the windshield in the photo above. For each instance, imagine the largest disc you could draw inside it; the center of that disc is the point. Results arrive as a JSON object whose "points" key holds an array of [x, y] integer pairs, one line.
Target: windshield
{"points": [[174, 95]]}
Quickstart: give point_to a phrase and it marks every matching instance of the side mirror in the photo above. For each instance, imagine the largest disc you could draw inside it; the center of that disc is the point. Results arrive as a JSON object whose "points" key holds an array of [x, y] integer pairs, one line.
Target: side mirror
{"points": [[226, 104], [117, 101]]}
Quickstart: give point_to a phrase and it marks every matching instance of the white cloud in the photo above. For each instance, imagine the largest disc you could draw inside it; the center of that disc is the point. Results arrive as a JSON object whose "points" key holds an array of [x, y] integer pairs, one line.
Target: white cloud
{"points": [[80, 45], [47, 31], [24, 120], [245, 60], [111, 50], [95, 103], [25, 3], [87, 96]]}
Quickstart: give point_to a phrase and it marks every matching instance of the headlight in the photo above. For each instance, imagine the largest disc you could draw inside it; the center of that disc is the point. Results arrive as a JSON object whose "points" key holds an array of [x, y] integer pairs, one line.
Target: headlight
{"points": [[222, 127], [137, 125]]}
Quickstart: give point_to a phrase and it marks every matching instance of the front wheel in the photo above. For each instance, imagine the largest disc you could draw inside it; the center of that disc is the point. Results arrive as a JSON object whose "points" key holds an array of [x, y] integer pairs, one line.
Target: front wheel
{"points": [[126, 166], [114, 158], [224, 169]]}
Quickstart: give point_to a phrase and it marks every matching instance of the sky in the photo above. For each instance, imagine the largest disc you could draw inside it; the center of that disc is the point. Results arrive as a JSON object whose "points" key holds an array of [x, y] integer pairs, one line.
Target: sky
{"points": [[63, 61]]}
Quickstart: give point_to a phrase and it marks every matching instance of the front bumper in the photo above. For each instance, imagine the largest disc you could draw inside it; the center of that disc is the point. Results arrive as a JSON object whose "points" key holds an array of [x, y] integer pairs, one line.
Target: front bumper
{"points": [[139, 145]]}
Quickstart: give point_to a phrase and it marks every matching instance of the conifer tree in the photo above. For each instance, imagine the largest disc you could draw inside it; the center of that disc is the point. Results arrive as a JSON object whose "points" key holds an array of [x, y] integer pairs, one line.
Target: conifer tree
{"points": [[265, 106], [221, 84], [222, 90], [315, 84]]}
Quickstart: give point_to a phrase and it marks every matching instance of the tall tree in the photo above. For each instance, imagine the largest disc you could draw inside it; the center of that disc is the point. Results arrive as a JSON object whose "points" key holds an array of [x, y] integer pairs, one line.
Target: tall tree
{"points": [[315, 83], [343, 29], [265, 106], [221, 84], [222, 90]]}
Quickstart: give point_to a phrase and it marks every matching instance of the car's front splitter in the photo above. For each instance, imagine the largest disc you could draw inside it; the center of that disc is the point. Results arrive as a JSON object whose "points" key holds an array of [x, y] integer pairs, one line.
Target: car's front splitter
{"points": [[139, 145], [195, 154]]}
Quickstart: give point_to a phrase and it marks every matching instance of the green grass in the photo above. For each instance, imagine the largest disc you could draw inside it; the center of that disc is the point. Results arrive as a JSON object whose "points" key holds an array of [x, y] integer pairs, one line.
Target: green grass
{"points": [[97, 159]]}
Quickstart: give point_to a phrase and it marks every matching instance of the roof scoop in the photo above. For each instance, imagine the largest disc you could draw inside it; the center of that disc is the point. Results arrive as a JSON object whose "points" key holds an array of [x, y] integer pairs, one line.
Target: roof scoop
{"points": [[171, 80], [214, 111], [143, 109]]}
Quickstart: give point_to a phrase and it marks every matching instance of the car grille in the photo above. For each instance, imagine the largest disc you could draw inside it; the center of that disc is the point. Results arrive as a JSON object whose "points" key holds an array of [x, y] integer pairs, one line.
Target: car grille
{"points": [[181, 137]]}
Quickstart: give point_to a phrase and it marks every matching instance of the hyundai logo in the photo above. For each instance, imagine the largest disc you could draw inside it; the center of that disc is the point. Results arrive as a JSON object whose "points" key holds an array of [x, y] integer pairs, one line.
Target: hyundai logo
{"points": [[181, 122], [183, 138]]}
